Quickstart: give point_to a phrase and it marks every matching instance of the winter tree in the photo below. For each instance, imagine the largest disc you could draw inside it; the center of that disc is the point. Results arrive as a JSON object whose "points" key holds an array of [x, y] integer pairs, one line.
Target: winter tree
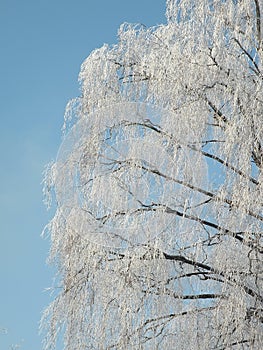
{"points": [[157, 236]]}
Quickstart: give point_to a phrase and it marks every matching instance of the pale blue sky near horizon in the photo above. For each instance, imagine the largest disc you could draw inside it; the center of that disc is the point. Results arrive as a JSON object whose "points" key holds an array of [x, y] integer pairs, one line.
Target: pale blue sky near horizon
{"points": [[43, 44]]}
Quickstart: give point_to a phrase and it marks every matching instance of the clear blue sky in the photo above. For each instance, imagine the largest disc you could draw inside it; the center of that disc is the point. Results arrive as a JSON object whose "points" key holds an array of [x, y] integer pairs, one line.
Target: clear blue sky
{"points": [[43, 44]]}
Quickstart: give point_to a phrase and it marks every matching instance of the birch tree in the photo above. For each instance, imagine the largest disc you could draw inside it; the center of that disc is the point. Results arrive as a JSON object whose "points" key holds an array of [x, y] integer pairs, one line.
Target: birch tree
{"points": [[157, 236]]}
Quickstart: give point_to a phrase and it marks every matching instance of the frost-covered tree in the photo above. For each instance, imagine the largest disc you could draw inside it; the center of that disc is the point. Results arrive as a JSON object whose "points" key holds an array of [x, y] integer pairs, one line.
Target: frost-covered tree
{"points": [[157, 235]]}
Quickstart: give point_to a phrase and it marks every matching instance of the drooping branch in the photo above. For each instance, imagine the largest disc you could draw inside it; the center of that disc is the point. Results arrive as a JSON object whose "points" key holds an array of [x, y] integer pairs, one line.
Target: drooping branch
{"points": [[160, 322], [213, 196], [223, 162], [206, 267], [173, 315]]}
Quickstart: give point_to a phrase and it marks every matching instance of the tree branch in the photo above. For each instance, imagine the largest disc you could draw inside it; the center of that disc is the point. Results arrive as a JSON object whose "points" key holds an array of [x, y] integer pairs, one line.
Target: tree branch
{"points": [[193, 148], [206, 267], [258, 19], [256, 70]]}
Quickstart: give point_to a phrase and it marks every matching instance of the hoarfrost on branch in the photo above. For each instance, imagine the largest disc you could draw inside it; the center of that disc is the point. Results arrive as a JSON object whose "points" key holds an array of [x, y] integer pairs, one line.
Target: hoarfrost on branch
{"points": [[157, 236]]}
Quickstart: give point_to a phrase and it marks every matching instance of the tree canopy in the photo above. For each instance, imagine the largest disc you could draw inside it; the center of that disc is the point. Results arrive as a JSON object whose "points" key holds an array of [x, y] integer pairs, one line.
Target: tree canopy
{"points": [[157, 236]]}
